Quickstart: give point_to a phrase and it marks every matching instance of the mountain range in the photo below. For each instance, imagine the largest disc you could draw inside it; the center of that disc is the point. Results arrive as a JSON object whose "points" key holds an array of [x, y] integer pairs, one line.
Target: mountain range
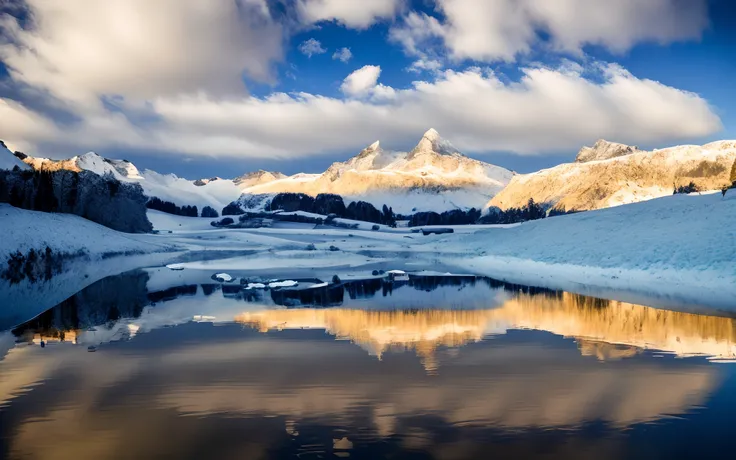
{"points": [[610, 174], [435, 176]]}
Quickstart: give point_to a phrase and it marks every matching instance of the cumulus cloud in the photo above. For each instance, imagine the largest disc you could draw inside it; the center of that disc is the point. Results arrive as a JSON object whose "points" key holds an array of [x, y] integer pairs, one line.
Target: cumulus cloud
{"points": [[79, 49], [361, 81], [547, 110], [502, 29], [358, 14], [425, 65], [343, 55], [169, 78], [311, 47]]}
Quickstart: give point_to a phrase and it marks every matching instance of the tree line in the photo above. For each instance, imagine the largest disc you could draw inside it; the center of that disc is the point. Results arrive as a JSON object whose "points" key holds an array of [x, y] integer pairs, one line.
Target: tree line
{"points": [[325, 204], [331, 204]]}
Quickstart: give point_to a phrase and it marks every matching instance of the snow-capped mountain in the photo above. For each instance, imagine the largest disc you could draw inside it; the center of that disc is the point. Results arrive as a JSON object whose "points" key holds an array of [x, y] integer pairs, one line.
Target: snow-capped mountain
{"points": [[433, 176], [167, 187], [257, 178], [604, 150], [8, 160], [613, 174]]}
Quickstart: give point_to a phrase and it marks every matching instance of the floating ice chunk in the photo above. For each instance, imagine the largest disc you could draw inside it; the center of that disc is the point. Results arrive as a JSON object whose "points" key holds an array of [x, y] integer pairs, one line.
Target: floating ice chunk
{"points": [[224, 277], [255, 286], [396, 272], [285, 283], [318, 285], [175, 267], [203, 318]]}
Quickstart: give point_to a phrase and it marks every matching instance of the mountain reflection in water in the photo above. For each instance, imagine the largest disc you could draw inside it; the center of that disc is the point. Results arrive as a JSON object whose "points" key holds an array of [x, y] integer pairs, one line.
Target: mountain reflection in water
{"points": [[439, 367]]}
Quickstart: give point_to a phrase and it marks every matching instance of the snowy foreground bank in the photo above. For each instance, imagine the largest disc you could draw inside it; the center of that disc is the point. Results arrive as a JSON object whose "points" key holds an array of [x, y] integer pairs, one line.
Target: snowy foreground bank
{"points": [[680, 249]]}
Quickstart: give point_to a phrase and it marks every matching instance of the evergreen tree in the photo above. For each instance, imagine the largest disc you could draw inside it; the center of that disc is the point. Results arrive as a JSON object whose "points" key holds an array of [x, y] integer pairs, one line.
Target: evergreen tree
{"points": [[208, 211]]}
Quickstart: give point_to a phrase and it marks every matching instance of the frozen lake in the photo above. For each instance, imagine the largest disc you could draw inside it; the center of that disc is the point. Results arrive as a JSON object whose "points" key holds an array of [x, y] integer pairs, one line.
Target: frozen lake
{"points": [[171, 364]]}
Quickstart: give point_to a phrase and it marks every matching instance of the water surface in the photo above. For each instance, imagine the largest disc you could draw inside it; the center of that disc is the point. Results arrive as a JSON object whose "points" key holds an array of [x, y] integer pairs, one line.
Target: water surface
{"points": [[434, 368]]}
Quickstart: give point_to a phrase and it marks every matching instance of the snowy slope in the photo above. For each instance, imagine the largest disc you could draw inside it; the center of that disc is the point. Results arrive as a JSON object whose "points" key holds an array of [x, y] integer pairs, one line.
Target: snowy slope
{"points": [[257, 178], [8, 160], [24, 230], [432, 176], [683, 246], [604, 150], [635, 176]]}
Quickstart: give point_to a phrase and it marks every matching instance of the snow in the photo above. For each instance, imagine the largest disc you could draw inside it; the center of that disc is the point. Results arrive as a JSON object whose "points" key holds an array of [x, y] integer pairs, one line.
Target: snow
{"points": [[396, 272], [168, 187], [674, 251], [255, 286], [24, 230], [319, 285], [680, 246], [431, 177], [120, 169], [285, 283], [10, 161], [223, 277], [92, 247], [636, 176]]}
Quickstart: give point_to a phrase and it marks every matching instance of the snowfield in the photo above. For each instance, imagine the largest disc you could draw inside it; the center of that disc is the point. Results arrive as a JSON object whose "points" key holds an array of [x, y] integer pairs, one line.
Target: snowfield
{"points": [[675, 252], [24, 230], [682, 247]]}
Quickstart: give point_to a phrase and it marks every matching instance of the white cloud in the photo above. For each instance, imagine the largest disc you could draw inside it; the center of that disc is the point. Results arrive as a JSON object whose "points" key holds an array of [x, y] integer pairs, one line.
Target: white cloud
{"points": [[425, 65], [502, 29], [174, 68], [548, 110], [311, 47], [79, 49], [343, 55], [415, 31], [358, 14], [362, 81]]}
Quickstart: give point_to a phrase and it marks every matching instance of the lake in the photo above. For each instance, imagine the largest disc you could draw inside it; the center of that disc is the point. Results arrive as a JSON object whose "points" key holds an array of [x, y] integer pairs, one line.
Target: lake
{"points": [[155, 364]]}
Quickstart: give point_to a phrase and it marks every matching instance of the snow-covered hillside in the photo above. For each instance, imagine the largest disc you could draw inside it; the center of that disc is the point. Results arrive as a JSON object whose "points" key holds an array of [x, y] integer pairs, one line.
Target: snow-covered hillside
{"points": [[24, 230], [681, 246], [167, 187], [604, 150], [628, 175], [433, 176], [8, 160]]}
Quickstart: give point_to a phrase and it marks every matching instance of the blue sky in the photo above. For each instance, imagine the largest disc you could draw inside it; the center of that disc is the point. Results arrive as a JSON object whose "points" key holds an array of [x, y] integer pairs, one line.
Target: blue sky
{"points": [[222, 87]]}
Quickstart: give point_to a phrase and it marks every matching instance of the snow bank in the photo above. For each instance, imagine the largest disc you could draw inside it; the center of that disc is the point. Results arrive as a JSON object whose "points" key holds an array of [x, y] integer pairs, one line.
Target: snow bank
{"points": [[255, 286], [23, 230], [682, 246], [223, 277], [285, 283]]}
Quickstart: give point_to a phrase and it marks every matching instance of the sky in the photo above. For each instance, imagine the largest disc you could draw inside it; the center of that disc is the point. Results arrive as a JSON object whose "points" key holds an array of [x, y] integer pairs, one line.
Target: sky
{"points": [[205, 88]]}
